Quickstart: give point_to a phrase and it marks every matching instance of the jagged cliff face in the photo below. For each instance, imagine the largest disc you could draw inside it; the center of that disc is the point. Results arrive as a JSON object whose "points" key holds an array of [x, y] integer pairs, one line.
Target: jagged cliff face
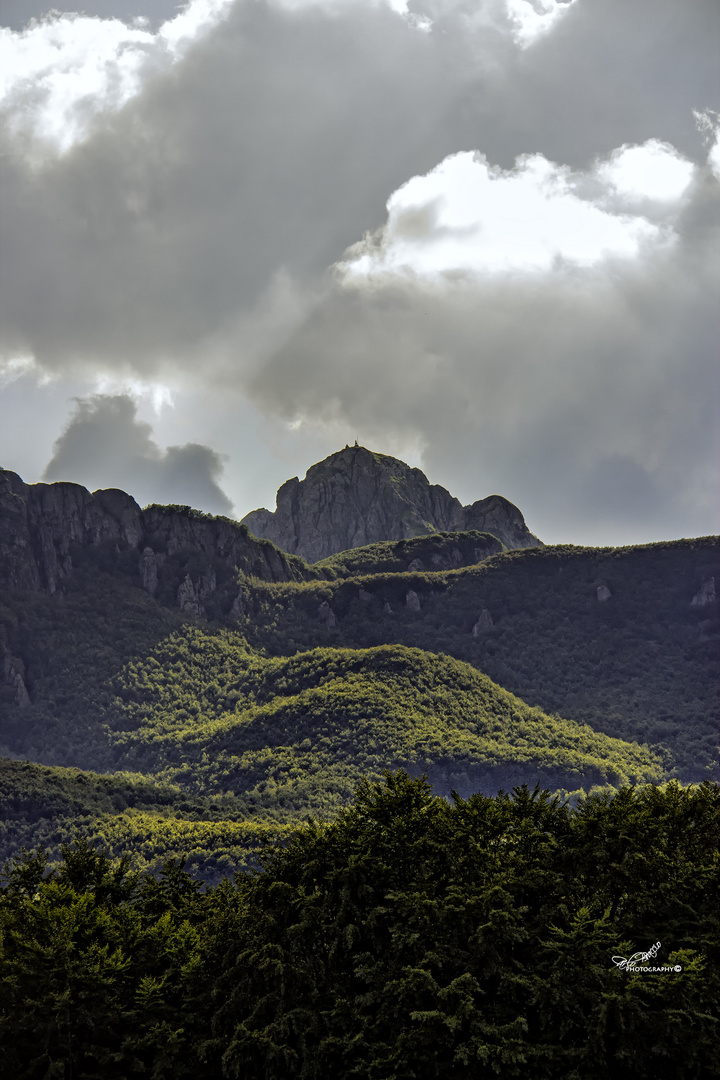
{"points": [[501, 518], [356, 497], [44, 528]]}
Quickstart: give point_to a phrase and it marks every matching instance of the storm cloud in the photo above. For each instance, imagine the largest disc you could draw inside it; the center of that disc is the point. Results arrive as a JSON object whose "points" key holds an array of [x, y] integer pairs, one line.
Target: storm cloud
{"points": [[202, 229], [105, 445]]}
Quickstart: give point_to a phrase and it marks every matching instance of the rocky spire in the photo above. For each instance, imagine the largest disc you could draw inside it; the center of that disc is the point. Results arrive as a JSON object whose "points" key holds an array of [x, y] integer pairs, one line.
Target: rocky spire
{"points": [[357, 497]]}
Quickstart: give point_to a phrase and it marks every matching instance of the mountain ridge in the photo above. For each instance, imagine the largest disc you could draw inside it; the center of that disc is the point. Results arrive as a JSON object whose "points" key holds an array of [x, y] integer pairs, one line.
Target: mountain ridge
{"points": [[45, 528], [357, 497], [174, 641]]}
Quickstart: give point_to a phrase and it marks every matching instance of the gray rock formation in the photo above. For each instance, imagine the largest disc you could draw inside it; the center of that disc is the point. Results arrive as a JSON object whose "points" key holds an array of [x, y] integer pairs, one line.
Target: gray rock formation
{"points": [[238, 606], [44, 526], [327, 615], [705, 594], [187, 597], [356, 497], [412, 600], [502, 518], [40, 524], [603, 593], [13, 674], [148, 567], [484, 623]]}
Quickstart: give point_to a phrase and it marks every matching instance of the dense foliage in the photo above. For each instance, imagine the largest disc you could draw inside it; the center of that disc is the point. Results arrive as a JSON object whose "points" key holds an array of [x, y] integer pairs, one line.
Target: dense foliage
{"points": [[130, 815], [411, 937], [300, 732], [285, 711], [641, 665], [442, 550]]}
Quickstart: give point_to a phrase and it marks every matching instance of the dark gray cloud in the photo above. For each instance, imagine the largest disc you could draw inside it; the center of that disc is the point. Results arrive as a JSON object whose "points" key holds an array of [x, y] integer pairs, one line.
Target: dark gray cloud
{"points": [[105, 445], [190, 237], [274, 144], [586, 396]]}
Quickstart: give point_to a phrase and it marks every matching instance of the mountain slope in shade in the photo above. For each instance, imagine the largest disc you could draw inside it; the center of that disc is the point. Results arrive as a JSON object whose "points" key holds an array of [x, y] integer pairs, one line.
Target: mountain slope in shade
{"points": [[175, 553], [356, 497]]}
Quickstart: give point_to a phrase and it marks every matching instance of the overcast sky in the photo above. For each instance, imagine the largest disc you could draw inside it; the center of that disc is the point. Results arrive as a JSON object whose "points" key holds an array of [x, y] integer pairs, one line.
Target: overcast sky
{"points": [[481, 235]]}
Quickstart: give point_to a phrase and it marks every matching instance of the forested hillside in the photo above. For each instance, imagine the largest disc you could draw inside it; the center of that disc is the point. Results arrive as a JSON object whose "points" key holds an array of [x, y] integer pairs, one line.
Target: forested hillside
{"points": [[281, 690], [299, 733], [266, 739], [624, 639], [133, 816], [169, 703], [410, 937]]}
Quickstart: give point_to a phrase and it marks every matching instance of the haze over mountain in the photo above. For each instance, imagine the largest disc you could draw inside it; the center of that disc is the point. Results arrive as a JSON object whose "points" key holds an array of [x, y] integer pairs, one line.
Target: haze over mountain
{"points": [[357, 497]]}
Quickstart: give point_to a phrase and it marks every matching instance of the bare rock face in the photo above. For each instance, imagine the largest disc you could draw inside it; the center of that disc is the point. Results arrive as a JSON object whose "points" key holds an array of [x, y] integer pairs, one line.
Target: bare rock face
{"points": [[13, 673], [149, 571], [43, 526], [603, 594], [484, 623], [501, 518], [412, 600], [327, 615], [356, 497], [187, 597], [238, 606], [41, 523], [705, 594]]}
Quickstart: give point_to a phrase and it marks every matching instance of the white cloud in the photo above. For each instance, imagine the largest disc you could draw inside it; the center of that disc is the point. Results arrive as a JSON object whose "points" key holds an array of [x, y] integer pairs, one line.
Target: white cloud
{"points": [[708, 123], [532, 19], [62, 72], [466, 215], [16, 367], [157, 394], [654, 170]]}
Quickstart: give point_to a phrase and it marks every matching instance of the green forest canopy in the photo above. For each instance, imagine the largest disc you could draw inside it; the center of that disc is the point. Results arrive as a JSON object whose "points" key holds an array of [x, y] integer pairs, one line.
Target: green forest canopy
{"points": [[411, 936]]}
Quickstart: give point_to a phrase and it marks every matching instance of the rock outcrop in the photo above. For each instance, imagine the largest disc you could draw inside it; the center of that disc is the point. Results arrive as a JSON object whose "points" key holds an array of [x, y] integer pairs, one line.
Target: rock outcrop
{"points": [[705, 594], [484, 623], [356, 497], [327, 615], [412, 600], [13, 675], [176, 553]]}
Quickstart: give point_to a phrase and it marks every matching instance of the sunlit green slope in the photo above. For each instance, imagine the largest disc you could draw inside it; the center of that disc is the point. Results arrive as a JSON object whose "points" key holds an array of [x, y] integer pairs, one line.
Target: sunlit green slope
{"points": [[637, 660], [45, 806], [300, 732]]}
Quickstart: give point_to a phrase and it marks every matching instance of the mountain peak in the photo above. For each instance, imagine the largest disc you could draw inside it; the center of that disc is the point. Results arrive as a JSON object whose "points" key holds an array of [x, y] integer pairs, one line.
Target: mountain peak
{"points": [[357, 496]]}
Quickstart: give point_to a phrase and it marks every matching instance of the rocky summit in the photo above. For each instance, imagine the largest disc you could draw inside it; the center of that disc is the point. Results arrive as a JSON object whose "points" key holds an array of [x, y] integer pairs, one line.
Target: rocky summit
{"points": [[357, 497]]}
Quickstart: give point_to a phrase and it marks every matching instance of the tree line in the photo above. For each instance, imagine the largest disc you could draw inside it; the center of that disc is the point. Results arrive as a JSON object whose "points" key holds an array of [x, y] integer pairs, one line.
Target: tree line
{"points": [[412, 936]]}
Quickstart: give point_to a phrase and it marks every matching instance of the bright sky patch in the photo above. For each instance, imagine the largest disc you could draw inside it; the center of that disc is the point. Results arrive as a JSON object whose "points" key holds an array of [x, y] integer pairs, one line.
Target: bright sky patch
{"points": [[468, 216]]}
